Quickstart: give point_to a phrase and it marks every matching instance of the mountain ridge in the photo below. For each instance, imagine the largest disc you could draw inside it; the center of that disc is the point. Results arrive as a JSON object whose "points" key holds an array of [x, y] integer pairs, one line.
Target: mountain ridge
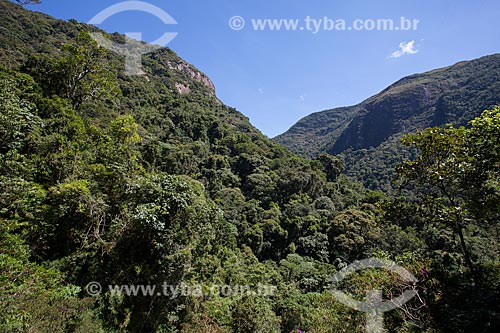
{"points": [[450, 95]]}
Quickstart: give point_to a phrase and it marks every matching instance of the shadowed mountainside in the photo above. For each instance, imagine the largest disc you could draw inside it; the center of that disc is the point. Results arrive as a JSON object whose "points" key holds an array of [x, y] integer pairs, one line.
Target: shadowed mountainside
{"points": [[368, 133]]}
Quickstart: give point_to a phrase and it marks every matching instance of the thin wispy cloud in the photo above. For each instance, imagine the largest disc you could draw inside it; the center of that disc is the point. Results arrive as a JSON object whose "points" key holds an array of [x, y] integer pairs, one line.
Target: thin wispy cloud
{"points": [[404, 49]]}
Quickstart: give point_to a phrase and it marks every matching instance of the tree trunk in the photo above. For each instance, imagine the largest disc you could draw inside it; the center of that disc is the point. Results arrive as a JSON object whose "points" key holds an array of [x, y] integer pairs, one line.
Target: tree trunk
{"points": [[467, 257]]}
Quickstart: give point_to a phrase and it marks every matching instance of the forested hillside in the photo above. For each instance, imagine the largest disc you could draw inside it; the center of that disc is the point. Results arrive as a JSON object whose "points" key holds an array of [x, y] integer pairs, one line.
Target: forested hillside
{"points": [[368, 134], [151, 180]]}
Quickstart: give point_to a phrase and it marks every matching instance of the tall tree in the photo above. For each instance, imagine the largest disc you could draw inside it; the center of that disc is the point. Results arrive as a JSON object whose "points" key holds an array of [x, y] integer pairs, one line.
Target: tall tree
{"points": [[83, 74], [457, 175]]}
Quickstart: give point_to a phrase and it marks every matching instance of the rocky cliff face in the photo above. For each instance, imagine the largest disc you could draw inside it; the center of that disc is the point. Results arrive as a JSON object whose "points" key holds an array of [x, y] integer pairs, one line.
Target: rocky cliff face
{"points": [[183, 68]]}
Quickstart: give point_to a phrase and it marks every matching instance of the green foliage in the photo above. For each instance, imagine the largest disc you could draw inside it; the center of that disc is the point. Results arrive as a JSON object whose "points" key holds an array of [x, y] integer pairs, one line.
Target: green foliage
{"points": [[253, 314], [129, 181], [17, 115], [352, 234], [333, 166], [82, 74], [34, 298], [456, 174], [455, 179]]}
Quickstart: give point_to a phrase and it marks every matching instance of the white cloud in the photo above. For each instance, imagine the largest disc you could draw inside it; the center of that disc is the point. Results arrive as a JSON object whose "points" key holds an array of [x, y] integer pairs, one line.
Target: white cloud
{"points": [[404, 48], [302, 98]]}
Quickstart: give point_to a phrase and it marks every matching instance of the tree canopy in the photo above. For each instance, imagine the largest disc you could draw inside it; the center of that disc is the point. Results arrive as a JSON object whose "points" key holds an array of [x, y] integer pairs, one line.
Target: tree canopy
{"points": [[130, 181]]}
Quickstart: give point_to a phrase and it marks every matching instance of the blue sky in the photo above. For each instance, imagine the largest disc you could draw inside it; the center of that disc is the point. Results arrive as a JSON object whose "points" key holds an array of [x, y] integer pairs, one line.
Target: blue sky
{"points": [[277, 77]]}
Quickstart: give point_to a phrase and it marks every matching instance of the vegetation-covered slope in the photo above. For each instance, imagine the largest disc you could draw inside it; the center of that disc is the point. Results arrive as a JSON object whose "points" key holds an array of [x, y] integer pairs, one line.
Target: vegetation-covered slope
{"points": [[368, 133], [135, 180]]}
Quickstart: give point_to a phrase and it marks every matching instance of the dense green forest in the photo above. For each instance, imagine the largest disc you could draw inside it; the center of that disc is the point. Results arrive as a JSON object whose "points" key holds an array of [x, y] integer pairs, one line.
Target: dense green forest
{"points": [[150, 179]]}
